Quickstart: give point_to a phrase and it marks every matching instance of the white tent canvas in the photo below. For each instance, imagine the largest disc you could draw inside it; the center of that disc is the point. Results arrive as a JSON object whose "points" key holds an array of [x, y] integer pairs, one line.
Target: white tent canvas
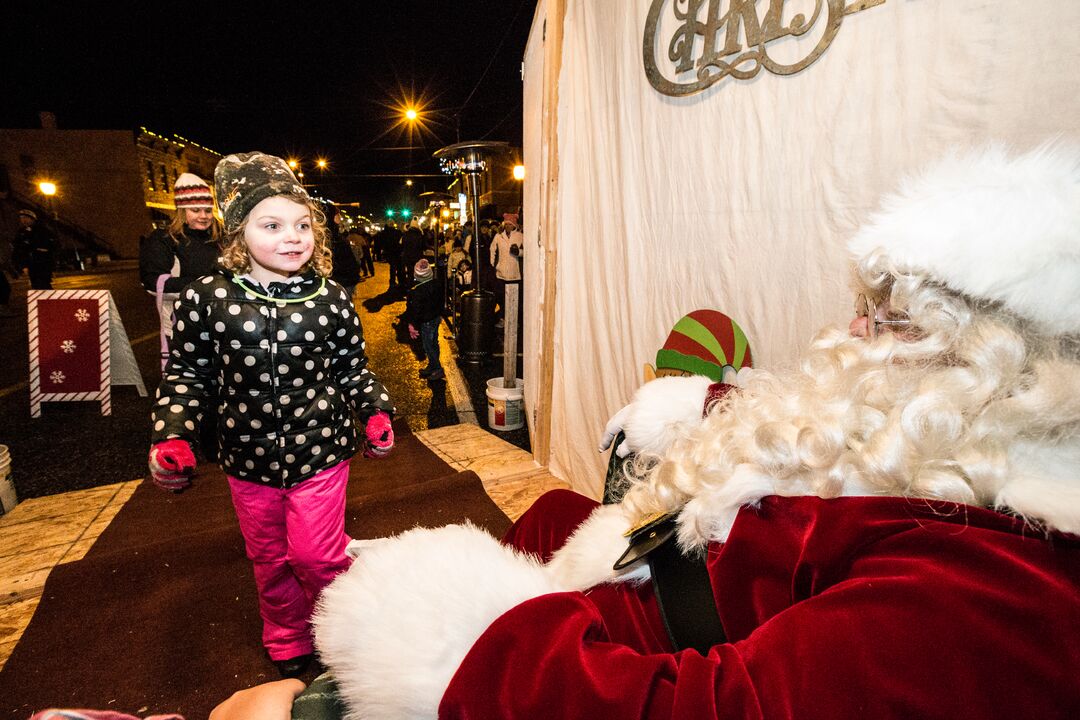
{"points": [[643, 206]]}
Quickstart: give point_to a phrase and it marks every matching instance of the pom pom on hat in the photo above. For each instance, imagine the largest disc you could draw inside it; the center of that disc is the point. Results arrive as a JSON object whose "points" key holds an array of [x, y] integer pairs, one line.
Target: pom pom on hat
{"points": [[422, 270], [191, 191], [990, 226], [244, 180]]}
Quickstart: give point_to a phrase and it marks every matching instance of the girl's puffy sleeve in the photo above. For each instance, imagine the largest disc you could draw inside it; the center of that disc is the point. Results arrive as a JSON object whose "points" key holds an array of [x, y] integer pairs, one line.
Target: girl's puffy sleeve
{"points": [[366, 394], [188, 383]]}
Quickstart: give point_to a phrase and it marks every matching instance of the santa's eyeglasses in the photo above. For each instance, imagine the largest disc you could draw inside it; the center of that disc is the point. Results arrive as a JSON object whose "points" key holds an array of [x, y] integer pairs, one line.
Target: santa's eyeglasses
{"points": [[877, 315]]}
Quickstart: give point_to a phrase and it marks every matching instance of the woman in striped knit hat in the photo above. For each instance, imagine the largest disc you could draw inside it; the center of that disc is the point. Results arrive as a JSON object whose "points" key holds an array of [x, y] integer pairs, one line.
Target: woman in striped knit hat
{"points": [[189, 248]]}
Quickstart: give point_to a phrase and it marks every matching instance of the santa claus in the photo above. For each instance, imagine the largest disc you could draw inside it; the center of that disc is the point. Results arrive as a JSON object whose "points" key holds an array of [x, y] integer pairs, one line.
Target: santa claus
{"points": [[887, 531]]}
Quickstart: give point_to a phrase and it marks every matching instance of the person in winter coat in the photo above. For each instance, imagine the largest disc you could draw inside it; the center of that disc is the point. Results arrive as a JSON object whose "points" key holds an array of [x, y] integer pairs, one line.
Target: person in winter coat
{"points": [[506, 250], [390, 240], [360, 242], [172, 258], [413, 245], [281, 349], [35, 249], [6, 267], [423, 313], [889, 530], [346, 270]]}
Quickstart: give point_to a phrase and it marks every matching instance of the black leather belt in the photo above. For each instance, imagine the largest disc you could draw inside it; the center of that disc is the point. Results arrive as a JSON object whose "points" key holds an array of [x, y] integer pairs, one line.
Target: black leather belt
{"points": [[682, 585]]}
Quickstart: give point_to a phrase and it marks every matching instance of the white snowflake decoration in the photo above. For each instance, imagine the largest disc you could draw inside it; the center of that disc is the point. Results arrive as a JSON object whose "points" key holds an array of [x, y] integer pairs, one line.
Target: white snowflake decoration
{"points": [[58, 377], [68, 346], [82, 315]]}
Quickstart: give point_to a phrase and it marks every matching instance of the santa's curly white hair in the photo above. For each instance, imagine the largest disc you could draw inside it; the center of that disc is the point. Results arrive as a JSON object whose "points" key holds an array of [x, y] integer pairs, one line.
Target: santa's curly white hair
{"points": [[977, 401]]}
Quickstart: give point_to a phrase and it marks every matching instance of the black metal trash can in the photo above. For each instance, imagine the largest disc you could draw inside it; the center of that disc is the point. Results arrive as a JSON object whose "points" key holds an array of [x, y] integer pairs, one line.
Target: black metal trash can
{"points": [[476, 333]]}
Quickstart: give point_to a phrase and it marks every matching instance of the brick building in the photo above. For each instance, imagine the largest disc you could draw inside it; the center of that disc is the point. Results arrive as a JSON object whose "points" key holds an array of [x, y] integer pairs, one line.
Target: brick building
{"points": [[112, 186]]}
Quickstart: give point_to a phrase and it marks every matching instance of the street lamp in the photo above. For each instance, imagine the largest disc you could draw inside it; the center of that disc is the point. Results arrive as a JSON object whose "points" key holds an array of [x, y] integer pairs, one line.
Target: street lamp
{"points": [[470, 159], [519, 172], [297, 166], [48, 189]]}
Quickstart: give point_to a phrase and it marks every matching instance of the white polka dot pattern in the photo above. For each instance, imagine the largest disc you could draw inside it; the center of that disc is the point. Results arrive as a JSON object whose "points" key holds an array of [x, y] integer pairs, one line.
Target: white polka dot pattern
{"points": [[289, 359]]}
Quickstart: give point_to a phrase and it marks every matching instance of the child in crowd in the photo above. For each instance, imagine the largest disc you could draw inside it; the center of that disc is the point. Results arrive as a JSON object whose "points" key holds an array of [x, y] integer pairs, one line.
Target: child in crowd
{"points": [[423, 311], [457, 254], [276, 350]]}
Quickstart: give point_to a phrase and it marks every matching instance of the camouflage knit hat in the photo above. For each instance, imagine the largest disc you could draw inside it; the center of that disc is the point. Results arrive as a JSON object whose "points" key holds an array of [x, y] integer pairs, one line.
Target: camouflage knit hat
{"points": [[244, 180]]}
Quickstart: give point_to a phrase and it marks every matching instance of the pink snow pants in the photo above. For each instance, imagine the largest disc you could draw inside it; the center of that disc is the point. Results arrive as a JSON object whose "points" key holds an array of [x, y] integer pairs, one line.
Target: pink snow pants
{"points": [[296, 540]]}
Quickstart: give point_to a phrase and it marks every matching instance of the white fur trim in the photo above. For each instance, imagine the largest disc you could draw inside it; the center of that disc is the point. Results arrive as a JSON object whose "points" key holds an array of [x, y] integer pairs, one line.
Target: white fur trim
{"points": [[587, 557], [394, 628], [990, 226], [663, 411], [1042, 485]]}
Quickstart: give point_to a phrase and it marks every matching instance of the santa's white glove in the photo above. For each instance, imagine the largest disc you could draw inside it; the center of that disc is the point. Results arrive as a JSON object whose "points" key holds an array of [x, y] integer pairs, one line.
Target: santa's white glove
{"points": [[614, 427], [661, 411]]}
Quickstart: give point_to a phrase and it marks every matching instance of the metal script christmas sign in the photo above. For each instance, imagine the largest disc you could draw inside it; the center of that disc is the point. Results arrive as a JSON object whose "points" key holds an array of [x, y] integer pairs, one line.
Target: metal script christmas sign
{"points": [[715, 39], [69, 347]]}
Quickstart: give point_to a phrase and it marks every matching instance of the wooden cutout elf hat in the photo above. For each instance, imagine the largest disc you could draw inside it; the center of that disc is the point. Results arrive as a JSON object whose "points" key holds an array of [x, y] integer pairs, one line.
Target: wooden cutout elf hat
{"points": [[704, 342]]}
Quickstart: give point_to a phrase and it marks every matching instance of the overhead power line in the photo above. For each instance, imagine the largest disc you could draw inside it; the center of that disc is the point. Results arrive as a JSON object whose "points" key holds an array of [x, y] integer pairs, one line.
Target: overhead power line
{"points": [[494, 55]]}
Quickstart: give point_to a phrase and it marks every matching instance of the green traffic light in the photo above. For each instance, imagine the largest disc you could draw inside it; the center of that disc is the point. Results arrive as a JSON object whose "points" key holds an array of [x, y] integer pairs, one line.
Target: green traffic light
{"points": [[389, 213], [406, 212]]}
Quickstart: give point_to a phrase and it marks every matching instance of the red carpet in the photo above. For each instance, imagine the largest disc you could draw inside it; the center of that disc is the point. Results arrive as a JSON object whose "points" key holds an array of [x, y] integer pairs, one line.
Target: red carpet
{"points": [[161, 615]]}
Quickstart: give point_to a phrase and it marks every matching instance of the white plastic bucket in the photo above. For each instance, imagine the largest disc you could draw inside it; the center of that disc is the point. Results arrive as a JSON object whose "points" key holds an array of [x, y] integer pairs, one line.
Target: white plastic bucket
{"points": [[7, 488], [506, 406]]}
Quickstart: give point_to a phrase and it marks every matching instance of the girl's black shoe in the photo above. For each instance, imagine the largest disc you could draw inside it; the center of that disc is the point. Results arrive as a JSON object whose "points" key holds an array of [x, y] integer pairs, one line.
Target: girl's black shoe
{"points": [[293, 667]]}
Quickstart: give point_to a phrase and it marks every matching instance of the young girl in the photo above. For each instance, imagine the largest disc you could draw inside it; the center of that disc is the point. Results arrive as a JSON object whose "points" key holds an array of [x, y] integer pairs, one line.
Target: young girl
{"points": [[276, 350]]}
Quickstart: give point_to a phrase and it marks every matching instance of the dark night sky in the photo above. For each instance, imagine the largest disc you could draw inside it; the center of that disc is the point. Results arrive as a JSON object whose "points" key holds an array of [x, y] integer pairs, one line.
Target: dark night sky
{"points": [[293, 79]]}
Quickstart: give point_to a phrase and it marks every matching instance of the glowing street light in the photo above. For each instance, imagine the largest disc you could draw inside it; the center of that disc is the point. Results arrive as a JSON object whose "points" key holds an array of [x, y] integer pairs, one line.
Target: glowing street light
{"points": [[48, 189], [409, 183], [321, 163], [519, 172], [411, 114], [294, 163]]}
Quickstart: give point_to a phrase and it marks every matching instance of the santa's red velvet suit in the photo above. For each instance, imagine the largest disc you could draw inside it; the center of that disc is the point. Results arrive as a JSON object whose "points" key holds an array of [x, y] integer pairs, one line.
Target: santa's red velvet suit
{"points": [[844, 608]]}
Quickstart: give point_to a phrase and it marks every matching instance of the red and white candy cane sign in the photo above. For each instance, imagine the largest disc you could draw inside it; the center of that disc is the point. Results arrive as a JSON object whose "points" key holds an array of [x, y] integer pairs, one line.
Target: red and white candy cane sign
{"points": [[69, 347]]}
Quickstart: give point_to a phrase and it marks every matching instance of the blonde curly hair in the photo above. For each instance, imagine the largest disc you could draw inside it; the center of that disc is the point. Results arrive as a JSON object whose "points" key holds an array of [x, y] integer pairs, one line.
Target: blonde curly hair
{"points": [[954, 409], [235, 256]]}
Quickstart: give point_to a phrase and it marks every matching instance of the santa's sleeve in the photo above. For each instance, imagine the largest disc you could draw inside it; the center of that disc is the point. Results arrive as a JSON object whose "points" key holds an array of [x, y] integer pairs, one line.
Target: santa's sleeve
{"points": [[551, 657], [894, 636]]}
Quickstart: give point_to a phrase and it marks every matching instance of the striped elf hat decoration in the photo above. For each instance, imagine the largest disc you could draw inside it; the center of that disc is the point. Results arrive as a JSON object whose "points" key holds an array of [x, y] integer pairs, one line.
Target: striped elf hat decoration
{"points": [[191, 191], [704, 342]]}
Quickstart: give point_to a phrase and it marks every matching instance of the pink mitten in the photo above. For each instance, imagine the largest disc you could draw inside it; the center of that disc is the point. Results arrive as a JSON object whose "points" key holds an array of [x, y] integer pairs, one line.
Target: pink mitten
{"points": [[380, 435], [413, 332], [172, 464]]}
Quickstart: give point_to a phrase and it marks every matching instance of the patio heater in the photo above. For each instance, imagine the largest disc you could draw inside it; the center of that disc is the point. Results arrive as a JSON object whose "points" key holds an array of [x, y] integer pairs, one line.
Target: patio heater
{"points": [[469, 160]]}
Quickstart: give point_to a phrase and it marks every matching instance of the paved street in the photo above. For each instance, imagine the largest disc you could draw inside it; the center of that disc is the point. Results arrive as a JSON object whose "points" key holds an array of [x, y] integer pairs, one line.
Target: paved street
{"points": [[73, 447]]}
